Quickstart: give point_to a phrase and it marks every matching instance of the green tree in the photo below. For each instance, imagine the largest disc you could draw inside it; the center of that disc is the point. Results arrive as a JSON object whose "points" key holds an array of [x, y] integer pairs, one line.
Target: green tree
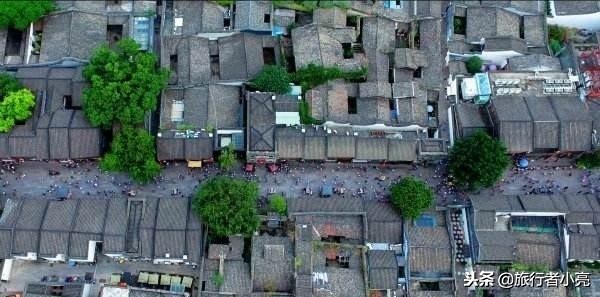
{"points": [[278, 204], [16, 106], [19, 14], [474, 64], [272, 78], [132, 151], [411, 197], [8, 83], [125, 83], [555, 46], [477, 161], [227, 158], [227, 206]]}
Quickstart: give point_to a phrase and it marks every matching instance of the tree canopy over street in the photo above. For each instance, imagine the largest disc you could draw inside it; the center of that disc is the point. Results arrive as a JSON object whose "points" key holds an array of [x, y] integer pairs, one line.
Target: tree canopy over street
{"points": [[125, 83], [19, 14], [132, 151], [227, 206], [477, 161], [411, 196]]}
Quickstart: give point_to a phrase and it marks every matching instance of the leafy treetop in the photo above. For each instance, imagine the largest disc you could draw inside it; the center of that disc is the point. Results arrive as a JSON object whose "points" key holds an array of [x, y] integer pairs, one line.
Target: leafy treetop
{"points": [[19, 14], [477, 161], [227, 206], [227, 158], [278, 204], [125, 83], [411, 197], [132, 151], [474, 64], [16, 106]]}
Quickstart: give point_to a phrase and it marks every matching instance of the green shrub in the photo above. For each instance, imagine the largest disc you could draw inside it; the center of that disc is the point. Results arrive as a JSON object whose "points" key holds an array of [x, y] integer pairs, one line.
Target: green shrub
{"points": [[218, 279], [315, 75], [589, 160], [272, 78], [16, 106], [278, 204], [474, 64], [304, 111]]}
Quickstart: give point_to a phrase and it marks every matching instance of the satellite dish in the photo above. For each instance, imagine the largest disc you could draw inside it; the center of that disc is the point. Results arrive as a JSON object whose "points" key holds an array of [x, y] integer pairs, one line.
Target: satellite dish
{"points": [[429, 108]]}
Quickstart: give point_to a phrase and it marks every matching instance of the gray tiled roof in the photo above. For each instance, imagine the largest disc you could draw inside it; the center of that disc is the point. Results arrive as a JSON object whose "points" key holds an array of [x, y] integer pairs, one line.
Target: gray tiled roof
{"points": [[72, 34], [325, 205], [55, 133], [490, 22], [68, 226], [496, 246], [575, 8], [272, 265], [576, 124], [538, 248], [409, 58], [430, 250], [384, 223], [534, 27], [170, 212], [250, 15], [169, 148], [505, 43], [584, 247], [431, 36], [378, 34], [382, 259], [193, 58], [59, 215], [320, 45]]}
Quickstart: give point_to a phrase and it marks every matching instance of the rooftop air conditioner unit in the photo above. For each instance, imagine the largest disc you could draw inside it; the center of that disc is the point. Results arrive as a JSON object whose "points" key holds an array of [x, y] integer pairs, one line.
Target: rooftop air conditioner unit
{"points": [[185, 257], [273, 97], [167, 255], [328, 131], [299, 97], [303, 130]]}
